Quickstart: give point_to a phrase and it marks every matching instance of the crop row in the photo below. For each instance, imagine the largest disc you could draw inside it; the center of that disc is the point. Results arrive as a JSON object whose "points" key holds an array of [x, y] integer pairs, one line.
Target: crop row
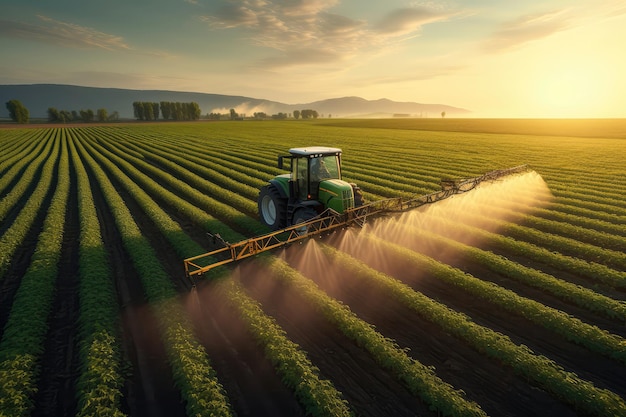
{"points": [[100, 382], [21, 347]]}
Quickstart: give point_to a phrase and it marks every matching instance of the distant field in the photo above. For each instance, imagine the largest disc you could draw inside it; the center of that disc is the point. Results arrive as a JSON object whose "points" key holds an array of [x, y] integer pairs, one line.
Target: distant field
{"points": [[506, 301], [592, 128]]}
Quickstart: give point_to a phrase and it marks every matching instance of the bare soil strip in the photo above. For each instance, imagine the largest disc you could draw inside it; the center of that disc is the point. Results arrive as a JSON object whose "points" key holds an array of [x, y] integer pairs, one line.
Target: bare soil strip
{"points": [[60, 369]]}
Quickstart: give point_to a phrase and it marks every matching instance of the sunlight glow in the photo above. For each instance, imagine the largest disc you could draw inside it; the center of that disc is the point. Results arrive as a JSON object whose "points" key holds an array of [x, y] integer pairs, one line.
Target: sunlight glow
{"points": [[576, 88]]}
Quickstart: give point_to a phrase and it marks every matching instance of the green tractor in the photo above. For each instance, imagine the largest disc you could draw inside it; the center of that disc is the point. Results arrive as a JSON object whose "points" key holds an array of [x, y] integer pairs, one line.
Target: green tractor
{"points": [[313, 187]]}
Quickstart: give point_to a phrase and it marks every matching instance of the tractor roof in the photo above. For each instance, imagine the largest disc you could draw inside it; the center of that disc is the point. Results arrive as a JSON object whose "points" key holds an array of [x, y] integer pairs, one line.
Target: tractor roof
{"points": [[314, 150]]}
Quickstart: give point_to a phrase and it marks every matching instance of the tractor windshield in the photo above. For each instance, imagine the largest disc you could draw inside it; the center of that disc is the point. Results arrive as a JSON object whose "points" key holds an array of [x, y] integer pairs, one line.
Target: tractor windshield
{"points": [[324, 167], [308, 172]]}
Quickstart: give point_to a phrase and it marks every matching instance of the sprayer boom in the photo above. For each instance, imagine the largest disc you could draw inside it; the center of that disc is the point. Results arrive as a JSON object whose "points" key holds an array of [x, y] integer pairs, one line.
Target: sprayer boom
{"points": [[330, 220]]}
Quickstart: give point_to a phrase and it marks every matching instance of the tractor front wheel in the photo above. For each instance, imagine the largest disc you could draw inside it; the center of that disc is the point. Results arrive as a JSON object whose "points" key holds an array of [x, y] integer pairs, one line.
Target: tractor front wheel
{"points": [[303, 215], [272, 208]]}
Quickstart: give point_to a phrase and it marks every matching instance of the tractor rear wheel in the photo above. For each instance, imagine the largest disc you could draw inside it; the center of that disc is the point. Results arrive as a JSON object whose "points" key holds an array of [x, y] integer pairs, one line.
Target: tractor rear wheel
{"points": [[272, 208]]}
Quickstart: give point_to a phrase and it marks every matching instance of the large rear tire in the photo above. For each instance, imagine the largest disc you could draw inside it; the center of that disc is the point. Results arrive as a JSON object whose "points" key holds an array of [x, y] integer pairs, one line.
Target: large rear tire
{"points": [[272, 208]]}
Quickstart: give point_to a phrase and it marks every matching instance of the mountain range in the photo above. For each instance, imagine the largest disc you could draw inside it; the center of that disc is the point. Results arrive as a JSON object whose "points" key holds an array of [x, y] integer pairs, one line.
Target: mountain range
{"points": [[37, 98]]}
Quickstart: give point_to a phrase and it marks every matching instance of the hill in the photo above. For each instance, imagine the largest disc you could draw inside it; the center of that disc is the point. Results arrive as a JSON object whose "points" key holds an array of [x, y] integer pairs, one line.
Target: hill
{"points": [[39, 97]]}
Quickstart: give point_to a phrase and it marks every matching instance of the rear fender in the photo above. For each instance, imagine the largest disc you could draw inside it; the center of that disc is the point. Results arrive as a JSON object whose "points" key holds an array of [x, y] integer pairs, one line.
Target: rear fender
{"points": [[282, 185]]}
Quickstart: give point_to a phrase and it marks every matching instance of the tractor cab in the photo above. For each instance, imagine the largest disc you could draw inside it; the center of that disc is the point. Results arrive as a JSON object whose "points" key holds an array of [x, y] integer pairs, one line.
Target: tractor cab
{"points": [[309, 168]]}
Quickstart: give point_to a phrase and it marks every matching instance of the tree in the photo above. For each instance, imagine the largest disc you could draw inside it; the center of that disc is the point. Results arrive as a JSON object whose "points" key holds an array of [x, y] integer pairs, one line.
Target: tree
{"points": [[87, 115], [65, 116], [296, 114], [177, 111], [166, 109], [194, 110], [138, 110], [443, 114], [147, 110], [53, 115], [233, 114], [17, 111], [102, 115], [308, 113]]}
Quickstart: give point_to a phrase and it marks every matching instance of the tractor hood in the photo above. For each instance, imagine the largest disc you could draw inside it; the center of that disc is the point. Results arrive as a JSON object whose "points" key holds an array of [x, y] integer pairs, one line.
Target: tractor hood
{"points": [[336, 194]]}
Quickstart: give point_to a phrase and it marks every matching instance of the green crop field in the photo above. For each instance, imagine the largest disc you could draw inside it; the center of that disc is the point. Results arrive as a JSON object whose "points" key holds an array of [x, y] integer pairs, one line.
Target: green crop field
{"points": [[505, 301]]}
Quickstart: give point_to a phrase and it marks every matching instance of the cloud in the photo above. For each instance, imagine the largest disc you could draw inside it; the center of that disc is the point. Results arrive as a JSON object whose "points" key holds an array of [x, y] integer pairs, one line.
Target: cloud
{"points": [[526, 29], [302, 56], [62, 33], [306, 32], [232, 16], [408, 20], [71, 35]]}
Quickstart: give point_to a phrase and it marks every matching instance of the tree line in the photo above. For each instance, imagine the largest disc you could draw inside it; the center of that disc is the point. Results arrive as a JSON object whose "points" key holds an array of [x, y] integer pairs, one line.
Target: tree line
{"points": [[145, 110], [305, 114], [87, 116]]}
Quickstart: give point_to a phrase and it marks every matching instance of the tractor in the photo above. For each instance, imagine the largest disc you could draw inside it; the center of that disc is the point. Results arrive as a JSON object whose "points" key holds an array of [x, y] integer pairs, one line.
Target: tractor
{"points": [[311, 188]]}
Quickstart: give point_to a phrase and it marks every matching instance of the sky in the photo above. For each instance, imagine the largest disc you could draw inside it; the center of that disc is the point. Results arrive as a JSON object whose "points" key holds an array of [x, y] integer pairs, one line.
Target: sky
{"points": [[496, 58]]}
